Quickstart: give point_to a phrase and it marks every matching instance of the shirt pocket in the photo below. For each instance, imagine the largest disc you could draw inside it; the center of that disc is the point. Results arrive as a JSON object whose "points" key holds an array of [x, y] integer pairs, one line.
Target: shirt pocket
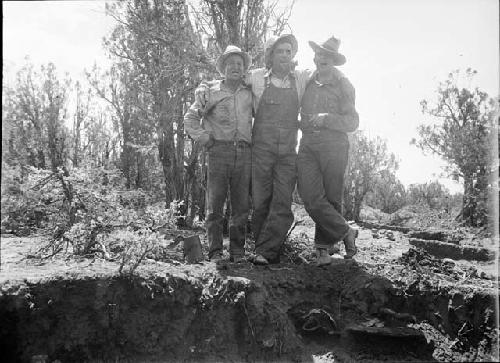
{"points": [[222, 113]]}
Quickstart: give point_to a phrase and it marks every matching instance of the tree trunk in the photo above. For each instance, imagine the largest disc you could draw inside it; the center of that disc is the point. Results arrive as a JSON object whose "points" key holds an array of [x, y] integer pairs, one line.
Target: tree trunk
{"points": [[105, 158], [166, 151], [76, 135], [41, 159], [179, 167], [468, 201], [166, 145], [126, 156], [139, 179], [357, 207], [190, 184], [203, 178], [56, 142]]}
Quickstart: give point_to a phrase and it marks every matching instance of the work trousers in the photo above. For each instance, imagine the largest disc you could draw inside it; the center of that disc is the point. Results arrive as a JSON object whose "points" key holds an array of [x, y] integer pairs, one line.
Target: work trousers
{"points": [[321, 165], [229, 167], [274, 176]]}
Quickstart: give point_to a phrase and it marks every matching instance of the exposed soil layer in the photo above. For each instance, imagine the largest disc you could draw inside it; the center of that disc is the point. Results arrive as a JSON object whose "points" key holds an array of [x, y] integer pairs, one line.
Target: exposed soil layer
{"points": [[395, 303], [239, 313], [450, 250]]}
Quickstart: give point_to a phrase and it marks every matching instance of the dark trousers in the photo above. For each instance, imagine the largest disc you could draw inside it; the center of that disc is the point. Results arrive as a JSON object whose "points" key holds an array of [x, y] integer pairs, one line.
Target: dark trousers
{"points": [[229, 167], [321, 165], [273, 180]]}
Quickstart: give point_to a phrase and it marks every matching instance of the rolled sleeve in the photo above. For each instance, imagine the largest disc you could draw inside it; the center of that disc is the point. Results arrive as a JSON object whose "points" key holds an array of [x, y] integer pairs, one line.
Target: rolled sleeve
{"points": [[192, 121]]}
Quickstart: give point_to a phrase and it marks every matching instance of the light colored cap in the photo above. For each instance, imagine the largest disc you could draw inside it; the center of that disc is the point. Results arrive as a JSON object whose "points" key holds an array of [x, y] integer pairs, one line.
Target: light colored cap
{"points": [[232, 49]]}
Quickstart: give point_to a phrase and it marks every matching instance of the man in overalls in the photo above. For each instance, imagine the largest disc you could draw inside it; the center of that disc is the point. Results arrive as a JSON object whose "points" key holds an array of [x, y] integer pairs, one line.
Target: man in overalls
{"points": [[328, 113], [278, 89]]}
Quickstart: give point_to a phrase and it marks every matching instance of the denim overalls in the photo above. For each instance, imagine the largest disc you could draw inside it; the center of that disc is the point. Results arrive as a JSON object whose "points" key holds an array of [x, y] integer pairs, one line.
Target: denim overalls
{"points": [[274, 172]]}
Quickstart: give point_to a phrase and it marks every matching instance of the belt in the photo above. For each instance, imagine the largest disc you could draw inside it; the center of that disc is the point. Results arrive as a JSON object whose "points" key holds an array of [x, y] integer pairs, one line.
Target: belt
{"points": [[284, 124], [235, 143], [313, 131]]}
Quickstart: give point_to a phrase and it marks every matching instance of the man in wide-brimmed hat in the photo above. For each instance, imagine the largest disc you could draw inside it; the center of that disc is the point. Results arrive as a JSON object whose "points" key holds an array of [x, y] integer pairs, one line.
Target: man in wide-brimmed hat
{"points": [[278, 88], [327, 114], [223, 125]]}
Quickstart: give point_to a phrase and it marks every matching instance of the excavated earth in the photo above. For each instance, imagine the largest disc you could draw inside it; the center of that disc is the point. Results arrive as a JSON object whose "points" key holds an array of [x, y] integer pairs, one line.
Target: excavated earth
{"points": [[394, 303]]}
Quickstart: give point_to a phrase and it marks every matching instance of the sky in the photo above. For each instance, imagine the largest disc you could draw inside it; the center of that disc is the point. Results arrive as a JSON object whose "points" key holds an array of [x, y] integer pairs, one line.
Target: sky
{"points": [[397, 53]]}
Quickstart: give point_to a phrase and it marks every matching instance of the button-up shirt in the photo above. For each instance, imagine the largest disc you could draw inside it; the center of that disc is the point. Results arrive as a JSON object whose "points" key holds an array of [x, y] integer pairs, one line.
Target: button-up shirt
{"points": [[256, 79], [336, 97], [227, 116]]}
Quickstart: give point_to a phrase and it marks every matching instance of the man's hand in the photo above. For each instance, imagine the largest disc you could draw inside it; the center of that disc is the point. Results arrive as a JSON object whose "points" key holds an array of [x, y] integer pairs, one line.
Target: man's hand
{"points": [[318, 119], [206, 140], [202, 94]]}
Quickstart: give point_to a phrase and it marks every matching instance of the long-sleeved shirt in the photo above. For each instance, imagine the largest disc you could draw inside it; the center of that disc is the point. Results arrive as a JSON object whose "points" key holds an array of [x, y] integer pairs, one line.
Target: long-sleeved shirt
{"points": [[335, 97], [227, 116], [255, 78]]}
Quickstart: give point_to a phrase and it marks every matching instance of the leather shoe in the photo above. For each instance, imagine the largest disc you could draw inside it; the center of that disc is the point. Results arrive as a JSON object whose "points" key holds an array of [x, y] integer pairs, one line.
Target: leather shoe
{"points": [[260, 260], [350, 243], [237, 259], [322, 257], [334, 249]]}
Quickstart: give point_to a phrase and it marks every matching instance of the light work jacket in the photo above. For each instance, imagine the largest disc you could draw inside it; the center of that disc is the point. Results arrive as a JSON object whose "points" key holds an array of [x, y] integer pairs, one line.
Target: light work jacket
{"points": [[227, 116], [336, 97]]}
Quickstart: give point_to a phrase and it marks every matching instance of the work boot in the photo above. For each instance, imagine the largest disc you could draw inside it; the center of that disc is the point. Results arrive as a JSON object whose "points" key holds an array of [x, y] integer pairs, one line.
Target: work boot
{"points": [[260, 260], [350, 243], [322, 257], [334, 249], [216, 257]]}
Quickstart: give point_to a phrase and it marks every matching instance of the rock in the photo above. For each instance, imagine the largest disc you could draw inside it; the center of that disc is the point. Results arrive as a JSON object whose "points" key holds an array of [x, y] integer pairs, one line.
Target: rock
{"points": [[390, 236], [449, 261], [192, 249]]}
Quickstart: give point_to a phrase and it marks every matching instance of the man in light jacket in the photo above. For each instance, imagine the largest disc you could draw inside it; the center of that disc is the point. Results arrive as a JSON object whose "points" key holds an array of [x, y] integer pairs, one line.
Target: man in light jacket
{"points": [[327, 114], [223, 125]]}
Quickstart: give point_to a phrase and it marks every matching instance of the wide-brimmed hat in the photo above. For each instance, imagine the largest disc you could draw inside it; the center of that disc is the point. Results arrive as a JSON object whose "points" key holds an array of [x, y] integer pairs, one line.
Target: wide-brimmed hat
{"points": [[232, 49], [330, 47], [273, 41]]}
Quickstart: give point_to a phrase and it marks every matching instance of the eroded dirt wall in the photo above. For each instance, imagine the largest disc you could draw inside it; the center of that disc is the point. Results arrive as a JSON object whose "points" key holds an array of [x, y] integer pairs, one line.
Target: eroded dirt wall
{"points": [[238, 313]]}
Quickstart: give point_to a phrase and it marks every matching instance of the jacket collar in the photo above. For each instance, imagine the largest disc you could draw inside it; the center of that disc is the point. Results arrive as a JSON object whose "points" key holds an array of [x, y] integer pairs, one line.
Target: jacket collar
{"points": [[336, 76]]}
